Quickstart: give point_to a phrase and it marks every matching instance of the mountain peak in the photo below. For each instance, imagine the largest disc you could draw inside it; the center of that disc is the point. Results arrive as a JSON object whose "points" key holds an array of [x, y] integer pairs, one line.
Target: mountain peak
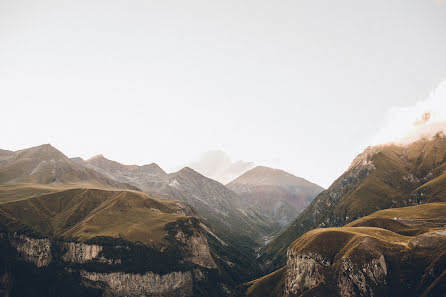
{"points": [[97, 157], [153, 168], [262, 175], [188, 171], [42, 152]]}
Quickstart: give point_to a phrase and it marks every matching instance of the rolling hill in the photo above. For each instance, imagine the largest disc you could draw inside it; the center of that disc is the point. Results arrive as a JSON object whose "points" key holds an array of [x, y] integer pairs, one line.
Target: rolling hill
{"points": [[381, 177], [392, 252], [277, 192]]}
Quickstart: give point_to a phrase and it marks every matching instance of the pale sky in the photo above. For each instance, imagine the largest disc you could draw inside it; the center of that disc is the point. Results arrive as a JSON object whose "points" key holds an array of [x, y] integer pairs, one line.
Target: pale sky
{"points": [[299, 85]]}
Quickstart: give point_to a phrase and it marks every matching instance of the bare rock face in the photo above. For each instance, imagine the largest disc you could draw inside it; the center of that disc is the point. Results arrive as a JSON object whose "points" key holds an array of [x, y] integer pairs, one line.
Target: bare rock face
{"points": [[359, 280], [361, 271], [35, 250], [304, 271], [193, 247], [175, 284], [79, 252], [197, 249]]}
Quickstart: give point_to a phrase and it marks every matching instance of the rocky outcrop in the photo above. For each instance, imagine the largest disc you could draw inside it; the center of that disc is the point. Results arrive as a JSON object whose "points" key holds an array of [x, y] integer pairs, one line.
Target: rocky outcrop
{"points": [[360, 279], [197, 249], [304, 271], [112, 266], [79, 252], [175, 284], [35, 250]]}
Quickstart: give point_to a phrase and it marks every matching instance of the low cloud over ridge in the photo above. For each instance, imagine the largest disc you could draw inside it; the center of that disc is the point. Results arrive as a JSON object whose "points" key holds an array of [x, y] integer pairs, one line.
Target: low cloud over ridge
{"points": [[219, 166], [424, 119]]}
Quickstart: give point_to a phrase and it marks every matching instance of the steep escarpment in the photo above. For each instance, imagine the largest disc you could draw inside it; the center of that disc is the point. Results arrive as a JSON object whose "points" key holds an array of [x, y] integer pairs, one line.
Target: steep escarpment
{"points": [[116, 243], [381, 177], [404, 256]]}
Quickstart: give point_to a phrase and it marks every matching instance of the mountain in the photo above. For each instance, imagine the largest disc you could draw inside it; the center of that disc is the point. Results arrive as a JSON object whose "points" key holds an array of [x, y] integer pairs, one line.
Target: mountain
{"points": [[219, 206], [4, 154], [90, 242], [132, 174], [393, 252], [277, 192], [46, 165], [381, 177]]}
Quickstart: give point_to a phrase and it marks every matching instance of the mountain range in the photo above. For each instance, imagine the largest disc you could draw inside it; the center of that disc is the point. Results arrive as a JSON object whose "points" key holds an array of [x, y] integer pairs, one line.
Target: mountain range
{"points": [[96, 227]]}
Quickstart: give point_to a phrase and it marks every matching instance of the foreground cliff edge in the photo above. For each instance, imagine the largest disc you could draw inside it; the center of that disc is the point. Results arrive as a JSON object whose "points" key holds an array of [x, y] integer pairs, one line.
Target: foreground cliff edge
{"points": [[393, 252], [89, 242]]}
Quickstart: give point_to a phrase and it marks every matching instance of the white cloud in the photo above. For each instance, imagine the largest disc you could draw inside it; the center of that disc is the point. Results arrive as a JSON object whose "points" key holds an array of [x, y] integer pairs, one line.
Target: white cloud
{"points": [[219, 166], [424, 119]]}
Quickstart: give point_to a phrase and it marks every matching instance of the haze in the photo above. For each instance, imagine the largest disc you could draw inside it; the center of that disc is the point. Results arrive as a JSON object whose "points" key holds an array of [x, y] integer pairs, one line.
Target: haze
{"points": [[299, 85]]}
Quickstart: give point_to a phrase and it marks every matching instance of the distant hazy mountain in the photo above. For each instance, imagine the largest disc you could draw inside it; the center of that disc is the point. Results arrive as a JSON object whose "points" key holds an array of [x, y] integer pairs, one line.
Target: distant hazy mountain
{"points": [[218, 166], [136, 175], [218, 205], [46, 165], [381, 177], [279, 193], [5, 154]]}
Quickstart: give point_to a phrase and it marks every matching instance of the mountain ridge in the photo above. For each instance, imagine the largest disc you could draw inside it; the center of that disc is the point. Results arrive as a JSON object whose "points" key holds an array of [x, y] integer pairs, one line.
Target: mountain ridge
{"points": [[45, 164]]}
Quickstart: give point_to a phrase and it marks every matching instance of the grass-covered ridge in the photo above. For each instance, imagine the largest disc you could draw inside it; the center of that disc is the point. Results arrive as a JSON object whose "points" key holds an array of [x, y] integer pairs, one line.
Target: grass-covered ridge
{"points": [[82, 214], [412, 241]]}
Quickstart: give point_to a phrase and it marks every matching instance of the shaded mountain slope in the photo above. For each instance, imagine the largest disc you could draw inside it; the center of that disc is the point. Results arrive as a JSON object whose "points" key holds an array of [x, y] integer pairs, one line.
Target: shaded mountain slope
{"points": [[381, 177], [277, 192], [46, 165], [393, 252], [218, 205]]}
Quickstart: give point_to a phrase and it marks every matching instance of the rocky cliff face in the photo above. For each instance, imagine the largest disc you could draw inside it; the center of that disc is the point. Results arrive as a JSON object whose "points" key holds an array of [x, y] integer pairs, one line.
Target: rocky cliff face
{"points": [[79, 252], [304, 271], [34, 250], [393, 252], [112, 266], [178, 284]]}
